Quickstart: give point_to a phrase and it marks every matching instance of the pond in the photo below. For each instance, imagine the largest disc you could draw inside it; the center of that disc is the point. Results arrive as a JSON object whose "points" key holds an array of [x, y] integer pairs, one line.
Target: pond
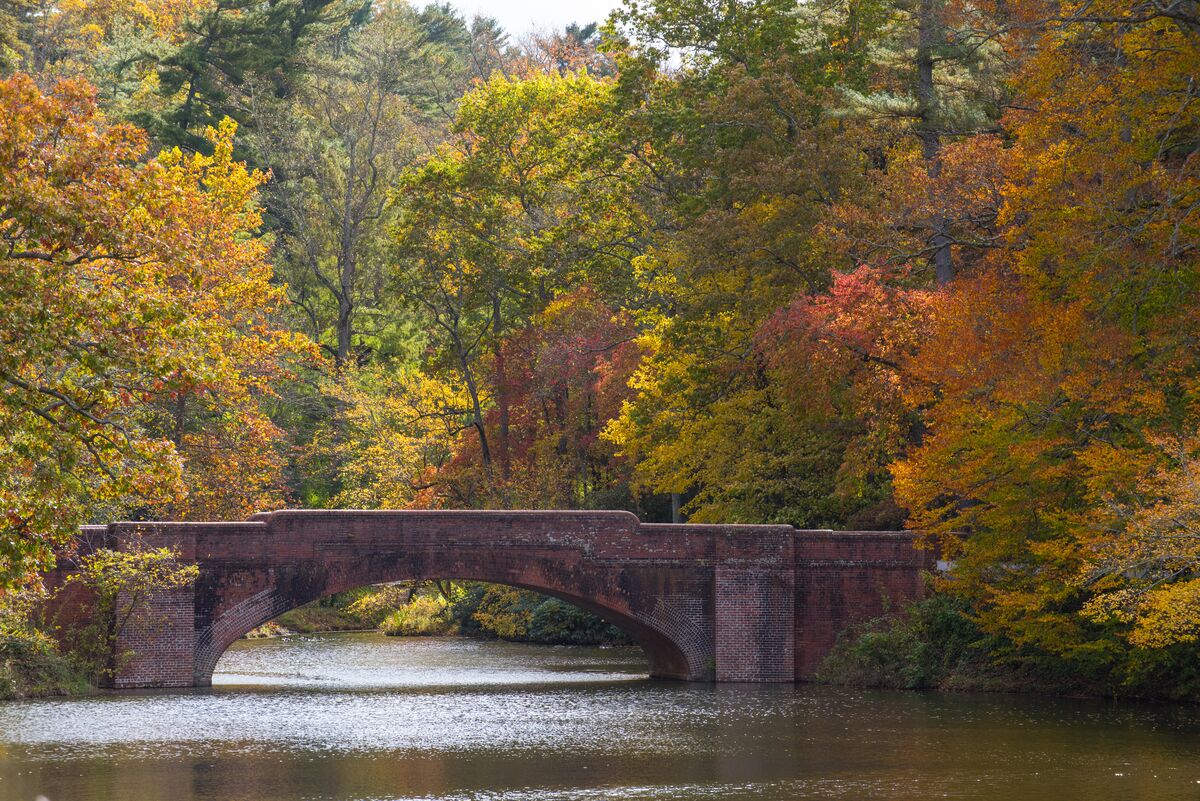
{"points": [[354, 717]]}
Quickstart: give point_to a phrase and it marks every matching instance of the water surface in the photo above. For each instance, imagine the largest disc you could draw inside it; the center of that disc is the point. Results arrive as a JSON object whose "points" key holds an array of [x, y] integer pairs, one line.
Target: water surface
{"points": [[354, 717]]}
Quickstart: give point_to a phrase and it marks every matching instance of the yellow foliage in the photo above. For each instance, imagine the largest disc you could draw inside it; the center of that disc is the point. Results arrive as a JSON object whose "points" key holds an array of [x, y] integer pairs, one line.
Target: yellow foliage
{"points": [[397, 427]]}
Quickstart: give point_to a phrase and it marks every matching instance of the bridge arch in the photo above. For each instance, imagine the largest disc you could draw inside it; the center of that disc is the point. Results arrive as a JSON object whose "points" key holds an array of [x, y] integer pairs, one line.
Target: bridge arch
{"points": [[673, 645], [579, 557]]}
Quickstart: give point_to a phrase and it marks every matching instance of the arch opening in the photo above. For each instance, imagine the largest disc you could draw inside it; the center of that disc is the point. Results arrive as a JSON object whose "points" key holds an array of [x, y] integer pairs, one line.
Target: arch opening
{"points": [[666, 658]]}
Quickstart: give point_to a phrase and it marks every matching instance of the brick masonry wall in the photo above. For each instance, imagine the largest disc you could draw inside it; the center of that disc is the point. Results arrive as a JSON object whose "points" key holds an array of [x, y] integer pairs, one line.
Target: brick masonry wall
{"points": [[71, 605], [156, 646], [844, 577], [755, 613]]}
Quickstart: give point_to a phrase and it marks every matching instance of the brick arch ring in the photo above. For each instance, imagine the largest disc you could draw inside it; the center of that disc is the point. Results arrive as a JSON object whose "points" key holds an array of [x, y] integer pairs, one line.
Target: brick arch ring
{"points": [[676, 637]]}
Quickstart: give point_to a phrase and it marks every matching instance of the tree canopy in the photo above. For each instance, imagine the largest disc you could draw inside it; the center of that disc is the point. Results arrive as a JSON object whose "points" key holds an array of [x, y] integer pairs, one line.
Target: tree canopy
{"points": [[870, 264]]}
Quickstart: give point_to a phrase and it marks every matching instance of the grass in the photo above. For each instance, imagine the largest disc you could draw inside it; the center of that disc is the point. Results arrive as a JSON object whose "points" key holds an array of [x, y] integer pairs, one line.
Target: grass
{"points": [[314, 618]]}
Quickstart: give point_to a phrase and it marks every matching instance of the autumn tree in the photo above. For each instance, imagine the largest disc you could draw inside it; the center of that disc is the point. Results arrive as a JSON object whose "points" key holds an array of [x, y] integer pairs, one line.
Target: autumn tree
{"points": [[933, 81], [1060, 382], [750, 151], [567, 372], [127, 285], [530, 198], [575, 48], [394, 432]]}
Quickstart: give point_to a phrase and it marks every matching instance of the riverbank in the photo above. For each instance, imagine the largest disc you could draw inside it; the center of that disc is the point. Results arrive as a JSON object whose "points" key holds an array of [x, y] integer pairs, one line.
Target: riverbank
{"points": [[475, 610], [936, 644], [32, 667]]}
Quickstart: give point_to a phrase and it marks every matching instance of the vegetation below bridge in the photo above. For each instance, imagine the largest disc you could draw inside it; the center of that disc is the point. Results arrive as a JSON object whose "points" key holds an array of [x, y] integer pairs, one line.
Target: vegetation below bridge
{"points": [[472, 609]]}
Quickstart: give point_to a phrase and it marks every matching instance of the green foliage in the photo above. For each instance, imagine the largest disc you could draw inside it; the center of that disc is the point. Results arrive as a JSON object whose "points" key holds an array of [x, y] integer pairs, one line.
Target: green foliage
{"points": [[422, 616], [312, 618], [31, 664], [227, 47], [530, 199], [121, 584], [363, 111], [932, 643], [31, 667], [937, 643], [361, 608], [508, 613], [392, 433], [555, 622]]}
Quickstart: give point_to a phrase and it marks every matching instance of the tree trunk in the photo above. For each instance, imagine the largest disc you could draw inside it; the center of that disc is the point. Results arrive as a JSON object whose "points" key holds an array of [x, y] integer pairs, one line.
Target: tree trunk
{"points": [[930, 33], [485, 451], [502, 401], [347, 267], [344, 329]]}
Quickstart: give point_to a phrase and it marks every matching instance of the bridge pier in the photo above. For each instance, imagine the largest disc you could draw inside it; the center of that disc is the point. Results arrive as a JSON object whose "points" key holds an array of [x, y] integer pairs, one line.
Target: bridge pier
{"points": [[736, 603]]}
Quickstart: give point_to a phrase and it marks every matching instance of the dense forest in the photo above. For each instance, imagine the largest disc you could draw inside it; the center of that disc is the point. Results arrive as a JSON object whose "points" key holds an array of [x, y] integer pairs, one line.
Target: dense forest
{"points": [[833, 263]]}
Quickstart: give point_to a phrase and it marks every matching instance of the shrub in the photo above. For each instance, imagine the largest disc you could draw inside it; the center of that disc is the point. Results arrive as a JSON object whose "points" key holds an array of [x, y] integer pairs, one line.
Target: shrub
{"points": [[932, 642], [422, 616], [30, 662], [556, 622], [508, 613], [372, 608], [505, 612], [31, 666]]}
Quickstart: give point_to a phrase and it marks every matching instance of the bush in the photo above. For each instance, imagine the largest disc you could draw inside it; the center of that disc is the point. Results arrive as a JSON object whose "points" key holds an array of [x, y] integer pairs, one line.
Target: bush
{"points": [[932, 643], [362, 608], [31, 663], [373, 607], [1170, 674], [505, 612], [271, 628], [31, 666], [508, 613], [422, 616], [556, 622]]}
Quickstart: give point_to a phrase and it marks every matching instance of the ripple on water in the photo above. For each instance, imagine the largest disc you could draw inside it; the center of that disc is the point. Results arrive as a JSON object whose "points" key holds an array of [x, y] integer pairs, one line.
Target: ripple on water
{"points": [[364, 718]]}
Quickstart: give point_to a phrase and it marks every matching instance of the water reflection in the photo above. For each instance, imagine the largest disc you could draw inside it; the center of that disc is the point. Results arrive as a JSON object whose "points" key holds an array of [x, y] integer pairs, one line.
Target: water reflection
{"points": [[365, 717]]}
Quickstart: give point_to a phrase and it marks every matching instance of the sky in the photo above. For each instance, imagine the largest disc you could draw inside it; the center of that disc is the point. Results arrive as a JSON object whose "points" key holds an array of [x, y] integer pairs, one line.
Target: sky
{"points": [[521, 16]]}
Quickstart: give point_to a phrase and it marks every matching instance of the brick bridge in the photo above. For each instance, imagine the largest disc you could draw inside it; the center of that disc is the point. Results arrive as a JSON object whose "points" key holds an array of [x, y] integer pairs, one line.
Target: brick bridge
{"points": [[724, 602]]}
